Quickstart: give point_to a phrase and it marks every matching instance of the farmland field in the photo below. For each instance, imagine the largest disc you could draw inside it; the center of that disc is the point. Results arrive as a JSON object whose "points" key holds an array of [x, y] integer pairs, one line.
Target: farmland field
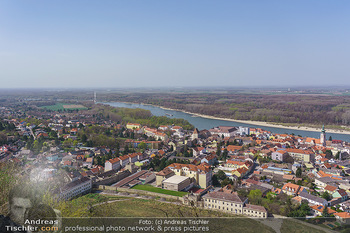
{"points": [[65, 106]]}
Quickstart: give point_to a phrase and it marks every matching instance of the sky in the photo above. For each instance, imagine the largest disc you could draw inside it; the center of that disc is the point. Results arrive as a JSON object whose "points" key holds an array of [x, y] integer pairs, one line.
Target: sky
{"points": [[192, 43]]}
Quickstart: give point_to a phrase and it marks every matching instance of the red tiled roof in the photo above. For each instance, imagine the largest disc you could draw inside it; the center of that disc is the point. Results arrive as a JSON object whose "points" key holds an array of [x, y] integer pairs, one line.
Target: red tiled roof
{"points": [[342, 214], [319, 208], [330, 188], [240, 163], [203, 167], [291, 187], [233, 148], [115, 160], [166, 171]]}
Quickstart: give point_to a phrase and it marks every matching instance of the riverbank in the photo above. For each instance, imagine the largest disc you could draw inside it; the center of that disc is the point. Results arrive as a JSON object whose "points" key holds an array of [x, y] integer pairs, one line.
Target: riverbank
{"points": [[260, 123], [255, 123]]}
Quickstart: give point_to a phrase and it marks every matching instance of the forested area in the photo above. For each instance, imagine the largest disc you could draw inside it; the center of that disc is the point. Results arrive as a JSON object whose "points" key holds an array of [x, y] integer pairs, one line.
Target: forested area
{"points": [[308, 109], [8, 179], [138, 115]]}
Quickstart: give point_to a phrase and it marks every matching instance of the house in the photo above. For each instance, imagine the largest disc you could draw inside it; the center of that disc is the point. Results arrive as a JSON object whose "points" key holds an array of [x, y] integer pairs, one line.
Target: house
{"points": [[232, 148], [342, 217], [197, 151], [332, 171], [75, 188], [133, 125], [288, 177], [223, 131], [112, 164], [240, 172], [291, 189], [67, 163], [330, 189], [162, 175], [301, 155], [345, 206], [323, 181], [88, 162], [177, 129], [95, 171], [209, 159], [201, 173], [235, 164], [317, 210], [279, 155], [313, 199], [230, 202], [276, 190], [340, 193], [160, 136], [134, 157], [74, 131], [276, 170], [124, 160], [163, 127]]}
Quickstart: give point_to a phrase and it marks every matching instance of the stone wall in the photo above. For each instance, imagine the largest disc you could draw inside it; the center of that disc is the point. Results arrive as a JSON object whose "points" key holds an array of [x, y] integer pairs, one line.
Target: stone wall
{"points": [[113, 179]]}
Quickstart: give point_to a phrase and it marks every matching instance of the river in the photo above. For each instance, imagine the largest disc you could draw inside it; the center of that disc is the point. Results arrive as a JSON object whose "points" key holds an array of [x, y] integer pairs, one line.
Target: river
{"points": [[207, 123]]}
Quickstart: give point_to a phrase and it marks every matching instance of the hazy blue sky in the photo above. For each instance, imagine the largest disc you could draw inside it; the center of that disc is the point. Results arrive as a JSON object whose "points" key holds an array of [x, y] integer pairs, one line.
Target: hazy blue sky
{"points": [[174, 43]]}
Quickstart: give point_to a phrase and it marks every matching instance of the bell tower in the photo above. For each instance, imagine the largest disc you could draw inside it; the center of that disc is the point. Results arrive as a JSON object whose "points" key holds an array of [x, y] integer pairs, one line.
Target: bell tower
{"points": [[323, 136]]}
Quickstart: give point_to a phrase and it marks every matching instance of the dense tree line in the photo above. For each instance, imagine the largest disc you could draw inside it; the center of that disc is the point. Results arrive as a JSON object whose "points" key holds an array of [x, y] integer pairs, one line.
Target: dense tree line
{"points": [[310, 109], [138, 115], [6, 129]]}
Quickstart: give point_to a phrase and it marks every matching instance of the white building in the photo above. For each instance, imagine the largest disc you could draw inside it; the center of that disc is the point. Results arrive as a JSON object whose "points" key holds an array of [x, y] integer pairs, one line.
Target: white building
{"points": [[75, 188], [176, 183], [225, 131], [112, 164]]}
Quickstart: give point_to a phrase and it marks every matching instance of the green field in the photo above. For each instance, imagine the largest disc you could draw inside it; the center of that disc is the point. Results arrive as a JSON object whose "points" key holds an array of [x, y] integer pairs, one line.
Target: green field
{"points": [[295, 227], [218, 222], [64, 106], [122, 208], [159, 190]]}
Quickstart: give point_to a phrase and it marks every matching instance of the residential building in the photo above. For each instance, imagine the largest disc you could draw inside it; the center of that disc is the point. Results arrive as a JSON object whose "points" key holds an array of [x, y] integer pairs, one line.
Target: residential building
{"points": [[317, 210], [133, 125], [279, 155], [209, 159], [305, 156], [313, 199], [75, 188], [162, 175], [291, 189], [341, 193], [223, 131], [112, 164], [232, 203], [202, 173], [342, 217]]}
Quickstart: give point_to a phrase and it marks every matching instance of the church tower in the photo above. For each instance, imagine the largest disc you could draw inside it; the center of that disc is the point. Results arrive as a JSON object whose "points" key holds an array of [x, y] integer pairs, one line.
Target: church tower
{"points": [[195, 134], [323, 136]]}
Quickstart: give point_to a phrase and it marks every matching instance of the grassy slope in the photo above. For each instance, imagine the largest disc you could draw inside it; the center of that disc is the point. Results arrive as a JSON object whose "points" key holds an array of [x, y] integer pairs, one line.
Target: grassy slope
{"points": [[159, 190], [151, 208], [134, 207], [293, 227]]}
